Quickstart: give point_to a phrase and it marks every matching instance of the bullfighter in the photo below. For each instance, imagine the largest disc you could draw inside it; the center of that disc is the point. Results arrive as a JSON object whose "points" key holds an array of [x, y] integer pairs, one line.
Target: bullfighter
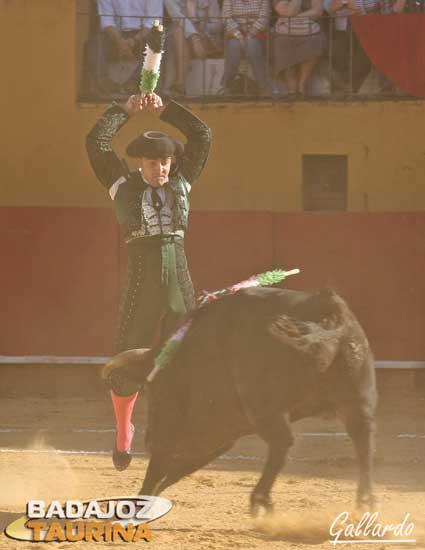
{"points": [[152, 206]]}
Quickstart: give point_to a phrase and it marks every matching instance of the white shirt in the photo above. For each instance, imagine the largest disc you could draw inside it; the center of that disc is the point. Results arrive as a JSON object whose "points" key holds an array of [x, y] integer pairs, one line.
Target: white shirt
{"points": [[129, 15], [160, 191]]}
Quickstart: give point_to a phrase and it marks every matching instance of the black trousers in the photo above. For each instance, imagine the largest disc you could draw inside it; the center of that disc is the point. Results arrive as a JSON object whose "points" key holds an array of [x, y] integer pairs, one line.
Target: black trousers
{"points": [[159, 292]]}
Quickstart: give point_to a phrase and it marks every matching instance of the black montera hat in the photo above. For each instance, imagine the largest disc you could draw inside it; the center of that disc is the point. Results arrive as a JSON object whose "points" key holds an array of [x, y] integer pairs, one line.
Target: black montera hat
{"points": [[154, 145]]}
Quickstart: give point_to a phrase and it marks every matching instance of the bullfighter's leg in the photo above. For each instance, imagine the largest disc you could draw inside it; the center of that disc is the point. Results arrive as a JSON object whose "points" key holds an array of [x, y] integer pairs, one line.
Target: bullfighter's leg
{"points": [[140, 310], [276, 432], [124, 394], [125, 374], [361, 428]]}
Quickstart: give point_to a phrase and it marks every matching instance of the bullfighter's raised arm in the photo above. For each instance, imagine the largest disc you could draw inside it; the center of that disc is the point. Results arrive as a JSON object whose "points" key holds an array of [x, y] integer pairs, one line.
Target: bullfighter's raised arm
{"points": [[198, 136], [103, 159]]}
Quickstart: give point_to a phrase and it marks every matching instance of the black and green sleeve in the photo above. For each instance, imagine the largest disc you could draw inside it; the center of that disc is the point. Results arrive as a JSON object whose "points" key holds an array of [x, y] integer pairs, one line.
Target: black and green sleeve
{"points": [[105, 163], [198, 139]]}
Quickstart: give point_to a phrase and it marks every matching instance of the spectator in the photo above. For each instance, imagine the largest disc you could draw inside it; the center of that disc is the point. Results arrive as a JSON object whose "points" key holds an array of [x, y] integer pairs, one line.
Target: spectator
{"points": [[392, 6], [415, 5], [125, 24], [298, 42], [350, 64], [246, 22], [206, 17], [182, 34]]}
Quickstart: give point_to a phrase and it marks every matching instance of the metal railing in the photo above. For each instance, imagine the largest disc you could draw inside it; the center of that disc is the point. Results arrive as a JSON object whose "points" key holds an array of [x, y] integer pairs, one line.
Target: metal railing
{"points": [[341, 69]]}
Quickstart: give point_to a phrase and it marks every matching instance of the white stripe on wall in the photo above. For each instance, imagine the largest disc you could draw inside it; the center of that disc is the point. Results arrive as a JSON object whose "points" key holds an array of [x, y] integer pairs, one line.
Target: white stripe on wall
{"points": [[99, 360]]}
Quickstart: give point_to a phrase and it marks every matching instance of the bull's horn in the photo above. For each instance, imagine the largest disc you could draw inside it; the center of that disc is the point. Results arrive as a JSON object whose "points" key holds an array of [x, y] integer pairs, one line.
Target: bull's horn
{"points": [[123, 359]]}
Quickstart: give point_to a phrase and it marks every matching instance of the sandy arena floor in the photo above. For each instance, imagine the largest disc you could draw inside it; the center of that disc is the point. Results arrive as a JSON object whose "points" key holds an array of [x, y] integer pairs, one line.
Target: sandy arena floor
{"points": [[211, 506]]}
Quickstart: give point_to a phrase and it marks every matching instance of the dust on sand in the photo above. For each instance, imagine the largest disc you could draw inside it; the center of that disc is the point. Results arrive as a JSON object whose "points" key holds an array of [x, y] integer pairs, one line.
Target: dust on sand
{"points": [[42, 475], [320, 526], [210, 509]]}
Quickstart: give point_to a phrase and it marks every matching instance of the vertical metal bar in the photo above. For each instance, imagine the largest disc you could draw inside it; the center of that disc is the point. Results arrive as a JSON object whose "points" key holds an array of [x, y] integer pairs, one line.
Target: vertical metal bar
{"points": [[245, 57], [225, 39], [182, 50], [331, 26], [203, 61], [99, 75], [351, 59], [268, 61], [204, 65]]}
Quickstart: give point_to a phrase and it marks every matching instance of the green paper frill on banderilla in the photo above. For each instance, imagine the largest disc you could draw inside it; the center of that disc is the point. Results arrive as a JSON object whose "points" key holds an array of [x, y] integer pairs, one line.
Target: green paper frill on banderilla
{"points": [[148, 81], [271, 277], [167, 352], [152, 59]]}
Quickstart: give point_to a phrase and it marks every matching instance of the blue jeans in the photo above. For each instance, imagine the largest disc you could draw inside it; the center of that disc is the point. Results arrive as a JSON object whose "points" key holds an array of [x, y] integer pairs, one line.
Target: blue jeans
{"points": [[254, 54]]}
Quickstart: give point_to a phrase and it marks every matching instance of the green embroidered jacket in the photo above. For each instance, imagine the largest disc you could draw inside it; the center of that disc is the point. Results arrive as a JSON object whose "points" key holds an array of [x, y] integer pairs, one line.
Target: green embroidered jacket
{"points": [[129, 190]]}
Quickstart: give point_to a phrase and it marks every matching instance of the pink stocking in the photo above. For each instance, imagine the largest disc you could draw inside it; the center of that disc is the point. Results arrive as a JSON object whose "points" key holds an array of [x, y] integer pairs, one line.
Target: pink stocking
{"points": [[123, 407]]}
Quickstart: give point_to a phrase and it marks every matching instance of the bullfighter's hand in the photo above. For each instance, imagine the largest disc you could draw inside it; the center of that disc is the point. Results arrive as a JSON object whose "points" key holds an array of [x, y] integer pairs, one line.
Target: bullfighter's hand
{"points": [[134, 105], [153, 103]]}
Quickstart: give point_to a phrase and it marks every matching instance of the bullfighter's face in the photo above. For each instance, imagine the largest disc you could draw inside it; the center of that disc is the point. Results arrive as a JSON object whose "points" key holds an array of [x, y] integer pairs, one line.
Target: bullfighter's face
{"points": [[155, 171]]}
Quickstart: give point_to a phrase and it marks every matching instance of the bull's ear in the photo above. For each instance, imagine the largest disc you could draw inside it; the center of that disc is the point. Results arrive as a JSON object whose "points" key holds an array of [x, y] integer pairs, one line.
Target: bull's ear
{"points": [[314, 345], [125, 359]]}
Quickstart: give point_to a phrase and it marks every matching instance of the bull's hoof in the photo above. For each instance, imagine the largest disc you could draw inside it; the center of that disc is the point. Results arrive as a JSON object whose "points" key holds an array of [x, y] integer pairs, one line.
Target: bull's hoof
{"points": [[122, 459], [261, 504]]}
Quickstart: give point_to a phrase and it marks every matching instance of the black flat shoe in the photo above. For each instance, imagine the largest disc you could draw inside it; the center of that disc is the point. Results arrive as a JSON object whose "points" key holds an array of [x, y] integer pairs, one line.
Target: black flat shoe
{"points": [[122, 459]]}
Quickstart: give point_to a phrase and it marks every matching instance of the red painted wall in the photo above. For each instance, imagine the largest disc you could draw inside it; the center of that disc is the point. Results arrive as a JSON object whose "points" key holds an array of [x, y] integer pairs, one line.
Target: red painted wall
{"points": [[62, 269], [59, 281], [377, 263]]}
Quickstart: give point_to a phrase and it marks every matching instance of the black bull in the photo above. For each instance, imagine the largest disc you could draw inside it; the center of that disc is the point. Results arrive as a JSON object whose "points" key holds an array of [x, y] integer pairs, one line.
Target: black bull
{"points": [[253, 362]]}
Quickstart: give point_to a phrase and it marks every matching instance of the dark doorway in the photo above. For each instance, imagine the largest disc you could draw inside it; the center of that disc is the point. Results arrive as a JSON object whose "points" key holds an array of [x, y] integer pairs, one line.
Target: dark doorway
{"points": [[325, 182]]}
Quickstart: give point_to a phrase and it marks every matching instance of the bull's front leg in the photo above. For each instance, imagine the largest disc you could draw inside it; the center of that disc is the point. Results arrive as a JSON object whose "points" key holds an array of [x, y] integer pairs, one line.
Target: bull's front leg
{"points": [[361, 428], [276, 432]]}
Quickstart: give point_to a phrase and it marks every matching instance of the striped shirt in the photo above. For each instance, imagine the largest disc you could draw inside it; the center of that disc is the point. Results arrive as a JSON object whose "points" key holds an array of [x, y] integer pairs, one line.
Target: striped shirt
{"points": [[254, 13], [363, 7], [296, 25]]}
